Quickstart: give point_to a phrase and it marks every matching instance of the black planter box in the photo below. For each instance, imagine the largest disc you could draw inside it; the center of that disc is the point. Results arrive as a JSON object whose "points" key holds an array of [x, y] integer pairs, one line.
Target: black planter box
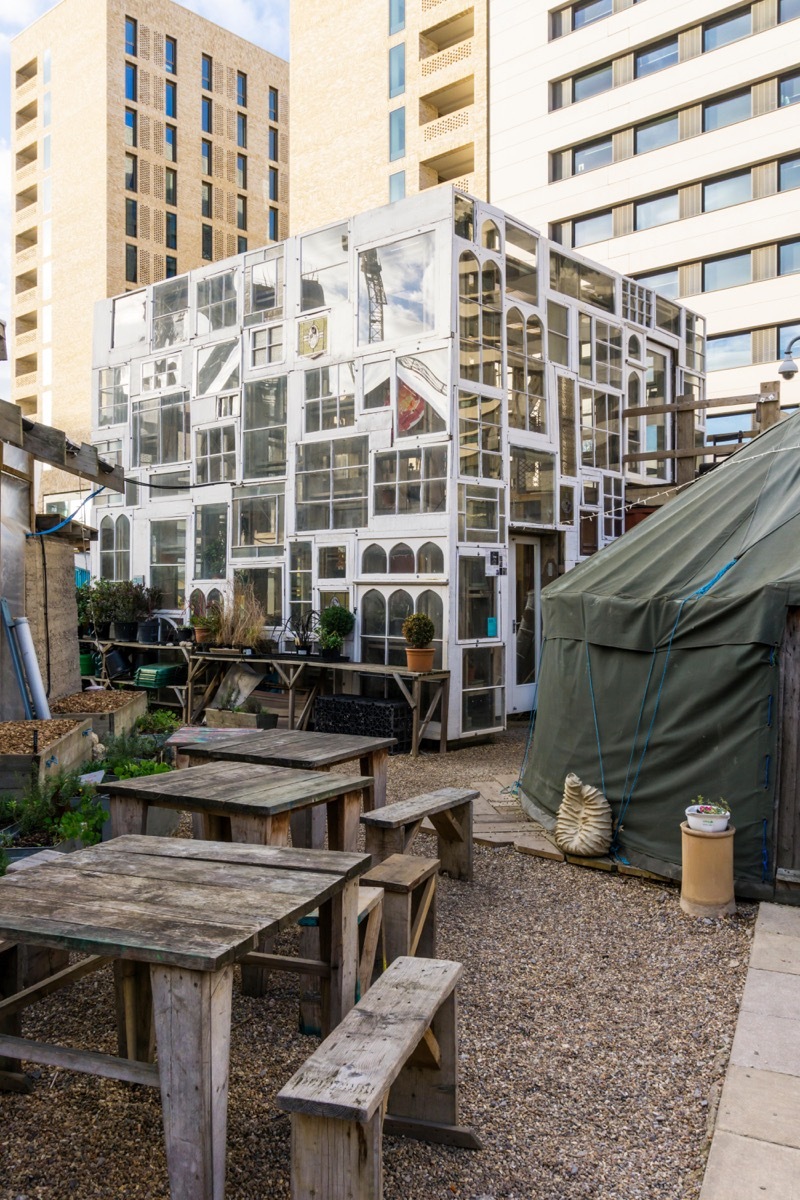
{"points": [[365, 717]]}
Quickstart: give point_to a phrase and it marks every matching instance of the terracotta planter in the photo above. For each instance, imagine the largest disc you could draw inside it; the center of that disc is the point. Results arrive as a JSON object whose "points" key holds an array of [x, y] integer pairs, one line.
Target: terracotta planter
{"points": [[707, 875], [202, 636], [419, 660]]}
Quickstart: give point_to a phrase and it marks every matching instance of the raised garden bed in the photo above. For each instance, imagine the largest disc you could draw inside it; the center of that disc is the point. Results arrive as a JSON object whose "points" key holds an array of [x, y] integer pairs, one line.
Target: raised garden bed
{"points": [[63, 745], [226, 718], [111, 713]]}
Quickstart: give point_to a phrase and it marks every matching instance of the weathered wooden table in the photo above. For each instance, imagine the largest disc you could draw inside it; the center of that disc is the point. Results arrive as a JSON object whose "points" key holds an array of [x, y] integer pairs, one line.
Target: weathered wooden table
{"points": [[244, 801], [178, 913], [309, 751]]}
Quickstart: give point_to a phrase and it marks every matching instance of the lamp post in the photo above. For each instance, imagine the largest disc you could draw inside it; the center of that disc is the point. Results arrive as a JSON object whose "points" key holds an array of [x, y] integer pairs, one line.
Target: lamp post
{"points": [[788, 368]]}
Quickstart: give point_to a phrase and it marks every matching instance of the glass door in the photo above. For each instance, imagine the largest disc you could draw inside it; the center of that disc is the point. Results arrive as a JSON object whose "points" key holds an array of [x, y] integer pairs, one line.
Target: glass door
{"points": [[525, 587]]}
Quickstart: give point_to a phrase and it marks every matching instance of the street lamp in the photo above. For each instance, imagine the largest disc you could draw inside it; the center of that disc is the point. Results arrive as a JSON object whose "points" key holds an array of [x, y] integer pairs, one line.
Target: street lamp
{"points": [[788, 368]]}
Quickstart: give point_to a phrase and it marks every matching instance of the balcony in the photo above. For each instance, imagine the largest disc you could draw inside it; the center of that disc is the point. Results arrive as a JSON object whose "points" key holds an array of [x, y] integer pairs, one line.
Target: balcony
{"points": [[440, 135], [26, 206], [26, 162], [455, 59], [26, 117], [27, 74], [454, 166], [26, 89], [26, 257], [23, 340]]}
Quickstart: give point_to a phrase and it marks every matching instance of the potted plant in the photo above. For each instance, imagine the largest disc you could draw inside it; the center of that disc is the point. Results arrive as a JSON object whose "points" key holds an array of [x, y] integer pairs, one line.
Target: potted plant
{"points": [[129, 607], [336, 619], [241, 619], [708, 817], [206, 627], [57, 811], [418, 630], [148, 629], [330, 644], [96, 603], [302, 629]]}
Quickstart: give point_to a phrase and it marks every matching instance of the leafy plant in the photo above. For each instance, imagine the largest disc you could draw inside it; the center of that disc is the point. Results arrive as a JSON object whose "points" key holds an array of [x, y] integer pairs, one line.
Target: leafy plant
{"points": [[157, 720], [56, 808], [302, 626], [84, 823], [418, 630], [3, 862], [337, 619], [241, 618], [330, 640], [128, 747], [133, 770], [710, 809]]}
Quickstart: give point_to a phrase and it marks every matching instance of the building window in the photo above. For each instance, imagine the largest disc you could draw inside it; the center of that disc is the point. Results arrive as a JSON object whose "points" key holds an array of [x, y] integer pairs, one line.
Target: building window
{"points": [[264, 428], [410, 481], [112, 395], [130, 218], [525, 382], [727, 29], [205, 150], [130, 127], [477, 598], [730, 350], [171, 143], [258, 521], [172, 231], [206, 73], [115, 548], [655, 134], [397, 186], [330, 398], [789, 89], [273, 183], [159, 374], [241, 173], [170, 56], [558, 333], [533, 486], [788, 10], [171, 99], [592, 229], [600, 351], [786, 333], [170, 313], [272, 111], [172, 267], [210, 541], [397, 16], [168, 561], [727, 271], [727, 111], [656, 58], [587, 11], [397, 70], [205, 115], [266, 346], [658, 210], [272, 230], [591, 83], [789, 173], [331, 480], [170, 186], [272, 148], [581, 281], [161, 430], [732, 189], [592, 155], [663, 282], [241, 89], [130, 264], [218, 367], [216, 302], [480, 306], [206, 200], [397, 134], [241, 132], [241, 212], [789, 258], [481, 513], [130, 81], [130, 36], [241, 244]]}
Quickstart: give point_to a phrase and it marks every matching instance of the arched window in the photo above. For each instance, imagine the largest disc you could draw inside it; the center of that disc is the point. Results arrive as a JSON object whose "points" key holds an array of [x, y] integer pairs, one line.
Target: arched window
{"points": [[373, 627], [197, 603], [115, 548], [430, 603], [525, 375], [401, 560], [400, 606], [490, 236], [430, 559], [468, 276], [214, 596], [635, 347], [490, 284], [535, 339], [373, 560], [633, 425]]}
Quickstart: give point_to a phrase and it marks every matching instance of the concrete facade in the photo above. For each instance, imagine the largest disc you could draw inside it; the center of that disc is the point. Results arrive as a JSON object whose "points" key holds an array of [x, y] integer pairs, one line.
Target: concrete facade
{"points": [[79, 215], [342, 102]]}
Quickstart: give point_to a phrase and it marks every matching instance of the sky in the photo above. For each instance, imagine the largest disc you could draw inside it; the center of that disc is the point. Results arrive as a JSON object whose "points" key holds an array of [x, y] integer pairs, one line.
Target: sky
{"points": [[265, 22]]}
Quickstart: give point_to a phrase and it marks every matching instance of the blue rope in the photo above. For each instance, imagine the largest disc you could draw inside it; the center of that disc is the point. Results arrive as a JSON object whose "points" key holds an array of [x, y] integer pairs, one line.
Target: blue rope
{"points": [[764, 853], [769, 712], [594, 714], [66, 521], [513, 790]]}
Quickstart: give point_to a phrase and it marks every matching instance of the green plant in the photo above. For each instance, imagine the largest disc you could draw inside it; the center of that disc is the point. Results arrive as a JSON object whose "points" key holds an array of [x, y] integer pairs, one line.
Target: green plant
{"points": [[302, 626], [3, 862], [418, 630], [719, 808], [84, 823], [337, 619], [228, 699], [156, 721], [56, 808], [133, 770], [330, 640], [241, 618], [128, 747]]}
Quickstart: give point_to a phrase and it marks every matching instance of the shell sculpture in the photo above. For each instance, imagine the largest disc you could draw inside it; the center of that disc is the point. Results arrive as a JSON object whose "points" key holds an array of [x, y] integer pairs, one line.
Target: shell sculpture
{"points": [[583, 824]]}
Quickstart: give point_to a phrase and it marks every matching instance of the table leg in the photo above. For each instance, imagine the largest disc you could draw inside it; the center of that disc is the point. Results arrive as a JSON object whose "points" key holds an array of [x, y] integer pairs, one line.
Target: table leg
{"points": [[12, 1078], [259, 831], [193, 1030], [417, 696], [128, 815], [308, 827], [338, 937], [343, 822], [134, 1000], [375, 764]]}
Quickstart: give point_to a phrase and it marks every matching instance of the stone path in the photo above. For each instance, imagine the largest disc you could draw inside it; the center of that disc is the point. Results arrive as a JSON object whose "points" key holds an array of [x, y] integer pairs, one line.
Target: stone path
{"points": [[755, 1151]]}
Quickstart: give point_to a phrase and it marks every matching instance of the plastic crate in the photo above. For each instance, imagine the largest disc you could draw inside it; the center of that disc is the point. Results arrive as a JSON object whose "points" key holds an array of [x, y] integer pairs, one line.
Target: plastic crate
{"points": [[365, 717], [158, 676]]}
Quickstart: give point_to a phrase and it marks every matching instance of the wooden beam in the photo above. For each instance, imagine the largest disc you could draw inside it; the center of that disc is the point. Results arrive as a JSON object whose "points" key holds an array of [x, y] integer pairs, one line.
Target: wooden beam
{"points": [[53, 983], [45, 443], [10, 423], [83, 461], [283, 962], [696, 452], [86, 1061], [432, 1131], [51, 446], [687, 405]]}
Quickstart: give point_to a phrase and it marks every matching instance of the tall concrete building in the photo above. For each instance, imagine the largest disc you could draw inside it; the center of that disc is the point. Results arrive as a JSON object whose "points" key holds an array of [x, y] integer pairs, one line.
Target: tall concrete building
{"points": [[145, 141], [661, 138], [402, 105]]}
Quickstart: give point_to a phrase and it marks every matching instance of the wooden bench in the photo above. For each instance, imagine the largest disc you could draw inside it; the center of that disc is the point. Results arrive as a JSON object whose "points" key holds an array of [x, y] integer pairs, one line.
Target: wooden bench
{"points": [[409, 904], [370, 935], [393, 829], [400, 1041]]}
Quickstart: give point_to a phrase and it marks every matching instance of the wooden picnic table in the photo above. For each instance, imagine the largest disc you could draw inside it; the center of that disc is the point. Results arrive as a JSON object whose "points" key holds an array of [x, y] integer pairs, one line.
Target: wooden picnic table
{"points": [[309, 751], [175, 915], [242, 801]]}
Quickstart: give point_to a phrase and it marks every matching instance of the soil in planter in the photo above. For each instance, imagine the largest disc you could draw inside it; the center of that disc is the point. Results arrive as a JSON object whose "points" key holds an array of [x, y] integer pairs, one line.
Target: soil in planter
{"points": [[93, 702], [16, 737]]}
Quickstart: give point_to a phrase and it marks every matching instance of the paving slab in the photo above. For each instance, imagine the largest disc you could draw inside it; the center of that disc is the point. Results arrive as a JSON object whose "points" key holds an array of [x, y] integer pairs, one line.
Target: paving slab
{"points": [[761, 1104], [768, 1043], [778, 918], [775, 952], [743, 1168], [772, 994], [538, 845]]}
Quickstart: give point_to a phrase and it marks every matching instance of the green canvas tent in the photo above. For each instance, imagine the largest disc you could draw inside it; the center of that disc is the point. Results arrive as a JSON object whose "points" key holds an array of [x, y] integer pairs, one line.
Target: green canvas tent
{"points": [[665, 665]]}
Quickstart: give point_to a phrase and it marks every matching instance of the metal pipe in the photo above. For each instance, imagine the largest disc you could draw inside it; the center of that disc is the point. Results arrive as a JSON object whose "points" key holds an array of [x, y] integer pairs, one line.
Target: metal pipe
{"points": [[8, 625], [31, 666]]}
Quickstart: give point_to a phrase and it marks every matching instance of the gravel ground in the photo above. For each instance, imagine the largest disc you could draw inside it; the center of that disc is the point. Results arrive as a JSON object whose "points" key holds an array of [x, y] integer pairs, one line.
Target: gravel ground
{"points": [[595, 1021]]}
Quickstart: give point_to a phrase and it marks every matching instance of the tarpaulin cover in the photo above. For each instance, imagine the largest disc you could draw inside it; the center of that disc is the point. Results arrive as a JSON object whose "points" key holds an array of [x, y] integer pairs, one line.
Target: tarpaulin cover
{"points": [[700, 587]]}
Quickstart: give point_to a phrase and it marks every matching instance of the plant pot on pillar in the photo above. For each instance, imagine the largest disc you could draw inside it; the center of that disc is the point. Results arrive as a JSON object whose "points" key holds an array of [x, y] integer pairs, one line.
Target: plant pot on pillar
{"points": [[419, 630]]}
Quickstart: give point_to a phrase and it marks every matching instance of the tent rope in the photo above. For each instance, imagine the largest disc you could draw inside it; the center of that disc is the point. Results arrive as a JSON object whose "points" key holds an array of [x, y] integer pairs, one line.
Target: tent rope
{"points": [[514, 788], [594, 715]]}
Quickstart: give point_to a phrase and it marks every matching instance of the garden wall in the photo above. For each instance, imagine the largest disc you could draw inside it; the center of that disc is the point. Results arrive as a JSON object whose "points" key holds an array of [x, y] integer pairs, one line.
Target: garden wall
{"points": [[53, 613]]}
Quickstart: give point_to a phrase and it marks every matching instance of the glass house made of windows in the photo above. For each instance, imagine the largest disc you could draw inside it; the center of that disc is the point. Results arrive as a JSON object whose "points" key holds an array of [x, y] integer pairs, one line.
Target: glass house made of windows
{"points": [[426, 407]]}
